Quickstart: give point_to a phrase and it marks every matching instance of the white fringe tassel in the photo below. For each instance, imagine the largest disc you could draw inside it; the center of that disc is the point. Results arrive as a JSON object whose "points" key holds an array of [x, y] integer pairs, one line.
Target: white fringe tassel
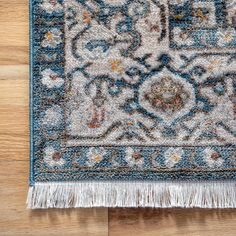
{"points": [[132, 194]]}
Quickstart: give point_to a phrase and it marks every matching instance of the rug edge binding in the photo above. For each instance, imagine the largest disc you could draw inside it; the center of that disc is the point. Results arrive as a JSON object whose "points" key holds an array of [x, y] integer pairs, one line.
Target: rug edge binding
{"points": [[167, 194]]}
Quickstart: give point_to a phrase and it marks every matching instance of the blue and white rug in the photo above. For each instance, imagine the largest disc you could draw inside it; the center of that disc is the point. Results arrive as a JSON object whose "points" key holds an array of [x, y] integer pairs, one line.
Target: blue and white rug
{"points": [[133, 103]]}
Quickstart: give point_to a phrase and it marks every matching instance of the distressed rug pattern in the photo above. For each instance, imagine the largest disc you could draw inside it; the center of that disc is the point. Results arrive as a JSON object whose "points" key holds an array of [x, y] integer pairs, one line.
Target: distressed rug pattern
{"points": [[133, 103]]}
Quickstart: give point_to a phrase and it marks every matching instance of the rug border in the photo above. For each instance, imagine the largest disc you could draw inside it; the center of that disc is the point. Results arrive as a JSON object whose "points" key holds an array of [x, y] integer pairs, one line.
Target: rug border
{"points": [[31, 117]]}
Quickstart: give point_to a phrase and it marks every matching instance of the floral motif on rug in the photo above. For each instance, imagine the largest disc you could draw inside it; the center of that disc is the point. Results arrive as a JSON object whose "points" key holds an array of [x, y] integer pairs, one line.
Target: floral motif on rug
{"points": [[133, 90]]}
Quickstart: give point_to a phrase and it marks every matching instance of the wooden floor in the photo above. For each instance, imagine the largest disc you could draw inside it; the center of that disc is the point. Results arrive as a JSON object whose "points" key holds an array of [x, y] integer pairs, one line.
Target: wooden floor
{"points": [[15, 220]]}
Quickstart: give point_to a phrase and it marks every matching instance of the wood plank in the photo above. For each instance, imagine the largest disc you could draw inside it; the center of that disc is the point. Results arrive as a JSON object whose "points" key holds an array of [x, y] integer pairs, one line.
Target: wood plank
{"points": [[14, 32], [172, 222], [13, 71], [14, 117], [14, 55]]}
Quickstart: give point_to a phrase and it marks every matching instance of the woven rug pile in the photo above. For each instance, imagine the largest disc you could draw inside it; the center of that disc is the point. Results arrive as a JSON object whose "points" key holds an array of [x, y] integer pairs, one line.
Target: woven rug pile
{"points": [[133, 103]]}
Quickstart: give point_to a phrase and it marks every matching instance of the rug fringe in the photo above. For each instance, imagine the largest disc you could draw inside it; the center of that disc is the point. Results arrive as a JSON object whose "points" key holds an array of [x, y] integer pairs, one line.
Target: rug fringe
{"points": [[132, 194]]}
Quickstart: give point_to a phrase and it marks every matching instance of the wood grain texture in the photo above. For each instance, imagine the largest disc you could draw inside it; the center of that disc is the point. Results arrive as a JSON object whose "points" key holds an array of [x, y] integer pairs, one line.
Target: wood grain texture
{"points": [[15, 220], [172, 222]]}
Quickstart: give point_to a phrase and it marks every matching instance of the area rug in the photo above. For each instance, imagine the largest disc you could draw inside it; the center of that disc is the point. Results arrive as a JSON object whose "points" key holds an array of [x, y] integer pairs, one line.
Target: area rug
{"points": [[133, 103]]}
